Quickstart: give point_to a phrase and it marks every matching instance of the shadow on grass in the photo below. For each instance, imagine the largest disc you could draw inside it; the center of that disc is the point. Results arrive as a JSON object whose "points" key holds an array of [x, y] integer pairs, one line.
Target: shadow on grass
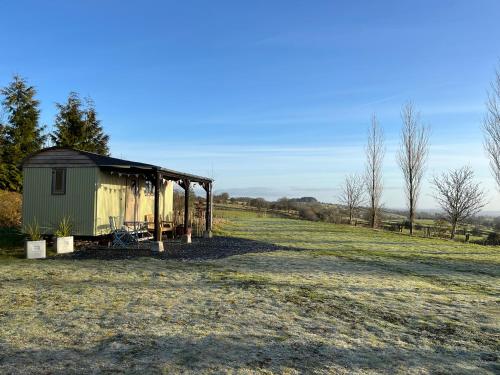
{"points": [[220, 353]]}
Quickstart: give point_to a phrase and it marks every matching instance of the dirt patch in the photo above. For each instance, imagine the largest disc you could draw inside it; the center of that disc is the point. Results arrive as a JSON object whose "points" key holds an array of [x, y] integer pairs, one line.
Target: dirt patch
{"points": [[199, 249]]}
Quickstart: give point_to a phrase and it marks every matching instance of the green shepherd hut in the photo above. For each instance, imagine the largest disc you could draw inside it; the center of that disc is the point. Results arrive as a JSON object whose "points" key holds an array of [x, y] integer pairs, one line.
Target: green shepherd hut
{"points": [[90, 188]]}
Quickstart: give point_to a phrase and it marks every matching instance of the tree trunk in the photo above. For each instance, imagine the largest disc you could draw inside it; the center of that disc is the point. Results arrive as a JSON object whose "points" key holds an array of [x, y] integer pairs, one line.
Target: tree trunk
{"points": [[453, 228], [373, 213], [412, 216]]}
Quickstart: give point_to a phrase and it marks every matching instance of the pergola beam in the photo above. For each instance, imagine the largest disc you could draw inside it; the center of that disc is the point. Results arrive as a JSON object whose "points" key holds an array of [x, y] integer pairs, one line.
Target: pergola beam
{"points": [[166, 173]]}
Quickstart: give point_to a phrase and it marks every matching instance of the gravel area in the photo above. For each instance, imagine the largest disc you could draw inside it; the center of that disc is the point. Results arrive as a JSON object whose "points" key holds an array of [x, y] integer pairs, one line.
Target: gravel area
{"points": [[199, 249]]}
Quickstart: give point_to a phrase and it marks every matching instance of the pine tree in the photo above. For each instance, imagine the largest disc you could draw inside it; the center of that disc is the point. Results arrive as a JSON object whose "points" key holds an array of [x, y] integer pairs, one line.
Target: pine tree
{"points": [[69, 123], [77, 126], [97, 139], [3, 164], [22, 134]]}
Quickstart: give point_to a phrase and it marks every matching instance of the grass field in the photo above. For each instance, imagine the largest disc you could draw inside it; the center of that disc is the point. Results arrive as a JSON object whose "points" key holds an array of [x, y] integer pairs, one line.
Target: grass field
{"points": [[348, 300]]}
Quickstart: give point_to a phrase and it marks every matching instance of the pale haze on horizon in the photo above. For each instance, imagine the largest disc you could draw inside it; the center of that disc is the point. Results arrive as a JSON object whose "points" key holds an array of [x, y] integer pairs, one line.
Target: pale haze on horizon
{"points": [[271, 99]]}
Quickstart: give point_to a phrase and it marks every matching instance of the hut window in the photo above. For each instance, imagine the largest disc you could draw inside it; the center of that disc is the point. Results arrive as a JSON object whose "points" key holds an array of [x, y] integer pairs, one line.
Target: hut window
{"points": [[58, 181], [149, 188]]}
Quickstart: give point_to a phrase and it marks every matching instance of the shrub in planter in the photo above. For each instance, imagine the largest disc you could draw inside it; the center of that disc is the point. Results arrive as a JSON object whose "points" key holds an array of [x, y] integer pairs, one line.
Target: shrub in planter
{"points": [[35, 246], [64, 240]]}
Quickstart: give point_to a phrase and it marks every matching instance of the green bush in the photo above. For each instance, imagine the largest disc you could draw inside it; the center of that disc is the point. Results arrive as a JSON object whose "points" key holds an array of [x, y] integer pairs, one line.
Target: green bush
{"points": [[493, 238], [476, 231]]}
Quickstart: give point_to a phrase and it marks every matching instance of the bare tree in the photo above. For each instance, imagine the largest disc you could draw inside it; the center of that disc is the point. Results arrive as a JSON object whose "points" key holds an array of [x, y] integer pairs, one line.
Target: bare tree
{"points": [[491, 127], [458, 195], [375, 151], [412, 156], [351, 194]]}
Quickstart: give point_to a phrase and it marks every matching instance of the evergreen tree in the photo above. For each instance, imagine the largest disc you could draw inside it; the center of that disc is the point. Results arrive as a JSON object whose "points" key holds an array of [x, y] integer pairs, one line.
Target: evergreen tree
{"points": [[3, 164], [97, 139], [77, 126], [21, 135]]}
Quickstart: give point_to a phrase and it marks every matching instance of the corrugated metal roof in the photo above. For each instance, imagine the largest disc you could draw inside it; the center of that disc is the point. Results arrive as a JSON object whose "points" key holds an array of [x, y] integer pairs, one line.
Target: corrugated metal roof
{"points": [[109, 162]]}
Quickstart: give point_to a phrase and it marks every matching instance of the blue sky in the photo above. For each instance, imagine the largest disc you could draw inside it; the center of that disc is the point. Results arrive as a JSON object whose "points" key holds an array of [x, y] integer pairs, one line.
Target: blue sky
{"points": [[271, 98]]}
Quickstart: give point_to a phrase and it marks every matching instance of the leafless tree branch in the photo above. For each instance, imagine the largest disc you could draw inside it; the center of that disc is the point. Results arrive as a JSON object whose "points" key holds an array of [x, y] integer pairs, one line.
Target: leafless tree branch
{"points": [[412, 156], [352, 194], [375, 152], [491, 127], [458, 195]]}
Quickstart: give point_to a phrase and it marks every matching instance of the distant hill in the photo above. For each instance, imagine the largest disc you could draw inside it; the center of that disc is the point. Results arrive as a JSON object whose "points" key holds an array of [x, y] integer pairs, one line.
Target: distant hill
{"points": [[304, 200]]}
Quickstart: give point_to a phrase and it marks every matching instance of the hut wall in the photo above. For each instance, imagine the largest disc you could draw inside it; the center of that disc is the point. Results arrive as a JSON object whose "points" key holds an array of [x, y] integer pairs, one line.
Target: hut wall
{"points": [[78, 203], [111, 195], [115, 197]]}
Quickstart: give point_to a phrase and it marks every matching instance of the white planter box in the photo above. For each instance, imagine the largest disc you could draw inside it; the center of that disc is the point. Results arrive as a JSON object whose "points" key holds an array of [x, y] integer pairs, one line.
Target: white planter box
{"points": [[64, 245], [35, 249]]}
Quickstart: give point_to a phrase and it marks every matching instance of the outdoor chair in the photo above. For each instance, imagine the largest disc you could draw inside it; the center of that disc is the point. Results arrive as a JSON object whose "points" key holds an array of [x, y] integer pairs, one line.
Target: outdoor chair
{"points": [[129, 234], [137, 230], [121, 237]]}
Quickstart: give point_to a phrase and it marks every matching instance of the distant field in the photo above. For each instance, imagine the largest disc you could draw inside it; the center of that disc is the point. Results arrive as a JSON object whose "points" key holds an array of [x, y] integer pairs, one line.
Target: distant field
{"points": [[476, 234], [345, 300]]}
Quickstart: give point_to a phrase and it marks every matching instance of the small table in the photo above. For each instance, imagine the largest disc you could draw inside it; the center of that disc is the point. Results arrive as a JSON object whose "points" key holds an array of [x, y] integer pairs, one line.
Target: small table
{"points": [[139, 229]]}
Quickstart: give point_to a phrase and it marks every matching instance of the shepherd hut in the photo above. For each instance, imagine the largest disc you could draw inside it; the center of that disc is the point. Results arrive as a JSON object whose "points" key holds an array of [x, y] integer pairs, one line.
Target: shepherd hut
{"points": [[89, 188]]}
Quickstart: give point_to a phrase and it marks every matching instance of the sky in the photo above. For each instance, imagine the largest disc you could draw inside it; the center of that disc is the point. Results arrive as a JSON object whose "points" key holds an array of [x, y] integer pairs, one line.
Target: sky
{"points": [[270, 98]]}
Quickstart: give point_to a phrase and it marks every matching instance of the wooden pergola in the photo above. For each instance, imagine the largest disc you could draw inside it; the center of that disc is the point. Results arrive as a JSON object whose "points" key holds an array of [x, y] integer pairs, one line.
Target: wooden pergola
{"points": [[156, 174], [184, 180]]}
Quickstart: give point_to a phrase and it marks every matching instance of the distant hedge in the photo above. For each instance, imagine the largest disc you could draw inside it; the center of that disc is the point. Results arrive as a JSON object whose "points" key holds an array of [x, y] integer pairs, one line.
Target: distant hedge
{"points": [[493, 239]]}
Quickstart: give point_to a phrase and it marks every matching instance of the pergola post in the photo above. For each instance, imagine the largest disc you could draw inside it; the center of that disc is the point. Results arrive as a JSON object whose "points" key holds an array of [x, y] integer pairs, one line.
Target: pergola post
{"points": [[157, 233], [186, 184], [208, 210], [157, 244]]}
